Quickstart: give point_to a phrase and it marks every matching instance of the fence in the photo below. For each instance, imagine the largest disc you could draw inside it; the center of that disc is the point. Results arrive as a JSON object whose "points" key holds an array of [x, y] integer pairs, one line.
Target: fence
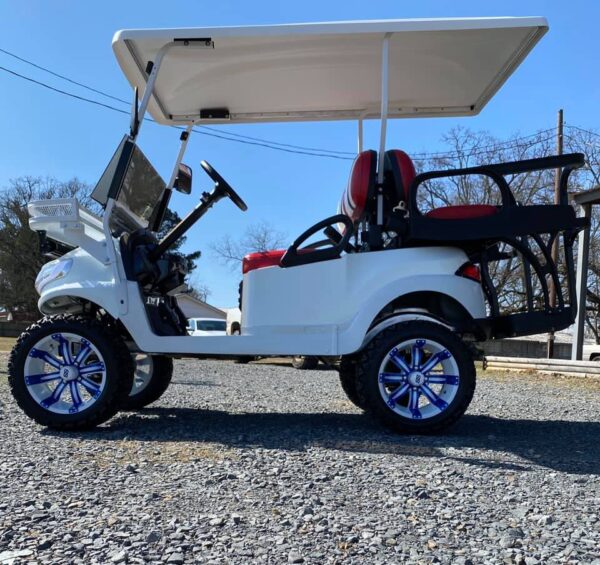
{"points": [[524, 348], [562, 366]]}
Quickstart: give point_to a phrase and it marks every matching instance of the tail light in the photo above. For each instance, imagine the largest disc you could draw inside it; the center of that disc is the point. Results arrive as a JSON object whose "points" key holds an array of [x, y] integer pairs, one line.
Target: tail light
{"points": [[470, 271]]}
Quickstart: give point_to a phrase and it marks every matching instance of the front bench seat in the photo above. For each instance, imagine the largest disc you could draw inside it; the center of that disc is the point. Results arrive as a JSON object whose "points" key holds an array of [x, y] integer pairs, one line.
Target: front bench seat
{"points": [[360, 189]]}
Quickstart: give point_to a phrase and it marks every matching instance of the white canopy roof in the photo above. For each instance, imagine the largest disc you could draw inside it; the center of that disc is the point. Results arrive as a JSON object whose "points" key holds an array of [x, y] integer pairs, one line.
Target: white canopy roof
{"points": [[326, 71]]}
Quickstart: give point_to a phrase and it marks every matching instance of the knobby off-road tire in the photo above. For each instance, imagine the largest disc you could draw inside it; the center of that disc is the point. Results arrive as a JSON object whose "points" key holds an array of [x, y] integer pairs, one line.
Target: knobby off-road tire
{"points": [[90, 389], [394, 370], [148, 388], [347, 370]]}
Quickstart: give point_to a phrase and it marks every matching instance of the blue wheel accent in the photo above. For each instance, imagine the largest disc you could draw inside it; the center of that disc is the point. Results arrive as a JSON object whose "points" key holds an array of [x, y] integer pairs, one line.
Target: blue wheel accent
{"points": [[398, 361], [443, 379], [75, 396], [91, 387], [91, 369], [68, 370], [83, 353], [413, 403], [65, 351], [434, 398], [392, 378], [42, 378], [435, 360], [55, 396], [409, 392], [50, 359], [397, 394]]}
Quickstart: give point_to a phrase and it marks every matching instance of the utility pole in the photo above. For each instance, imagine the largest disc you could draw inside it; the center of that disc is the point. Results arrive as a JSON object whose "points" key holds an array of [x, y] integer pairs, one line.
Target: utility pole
{"points": [[554, 253]]}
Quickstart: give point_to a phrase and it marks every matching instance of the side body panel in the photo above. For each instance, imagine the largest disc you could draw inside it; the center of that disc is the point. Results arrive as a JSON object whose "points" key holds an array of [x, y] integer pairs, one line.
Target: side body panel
{"points": [[319, 309]]}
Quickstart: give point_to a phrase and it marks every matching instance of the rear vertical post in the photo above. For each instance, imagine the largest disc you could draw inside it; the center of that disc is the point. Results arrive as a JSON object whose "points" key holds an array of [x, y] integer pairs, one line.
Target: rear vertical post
{"points": [[360, 136], [554, 252], [385, 50]]}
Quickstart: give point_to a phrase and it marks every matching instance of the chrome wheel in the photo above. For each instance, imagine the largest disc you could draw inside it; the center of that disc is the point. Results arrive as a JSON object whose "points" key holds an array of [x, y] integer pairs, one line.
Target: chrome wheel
{"points": [[418, 379], [64, 373]]}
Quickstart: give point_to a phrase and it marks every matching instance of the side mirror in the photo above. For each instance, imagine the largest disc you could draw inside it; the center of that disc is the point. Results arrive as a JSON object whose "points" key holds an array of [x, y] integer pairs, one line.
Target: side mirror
{"points": [[183, 182]]}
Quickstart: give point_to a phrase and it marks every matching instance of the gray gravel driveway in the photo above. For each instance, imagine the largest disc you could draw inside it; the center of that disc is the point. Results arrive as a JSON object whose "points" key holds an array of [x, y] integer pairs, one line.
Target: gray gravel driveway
{"points": [[262, 463]]}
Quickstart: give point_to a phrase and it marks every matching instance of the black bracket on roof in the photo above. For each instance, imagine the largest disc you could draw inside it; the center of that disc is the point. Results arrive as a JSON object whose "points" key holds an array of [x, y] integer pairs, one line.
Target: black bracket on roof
{"points": [[206, 41], [214, 114]]}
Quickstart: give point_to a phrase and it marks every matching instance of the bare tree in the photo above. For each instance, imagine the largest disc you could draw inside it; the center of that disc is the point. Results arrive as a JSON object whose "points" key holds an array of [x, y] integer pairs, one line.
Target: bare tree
{"points": [[257, 238], [200, 291], [588, 142], [466, 148], [20, 258]]}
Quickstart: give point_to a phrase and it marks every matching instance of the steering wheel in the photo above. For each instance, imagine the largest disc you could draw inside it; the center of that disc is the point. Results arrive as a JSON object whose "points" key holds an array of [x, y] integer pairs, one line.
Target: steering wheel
{"points": [[223, 186]]}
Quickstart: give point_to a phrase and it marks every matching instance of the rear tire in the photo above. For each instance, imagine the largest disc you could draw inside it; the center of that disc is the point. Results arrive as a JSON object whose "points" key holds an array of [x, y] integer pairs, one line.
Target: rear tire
{"points": [[151, 385], [416, 377], [244, 360], [304, 363], [347, 370], [70, 372]]}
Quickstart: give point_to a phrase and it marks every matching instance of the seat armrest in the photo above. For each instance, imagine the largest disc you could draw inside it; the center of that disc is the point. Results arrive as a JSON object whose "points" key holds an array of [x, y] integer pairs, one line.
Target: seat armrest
{"points": [[497, 171]]}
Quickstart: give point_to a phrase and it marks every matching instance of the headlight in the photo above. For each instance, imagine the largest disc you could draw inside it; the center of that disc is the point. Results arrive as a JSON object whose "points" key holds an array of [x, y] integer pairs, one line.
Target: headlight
{"points": [[52, 271]]}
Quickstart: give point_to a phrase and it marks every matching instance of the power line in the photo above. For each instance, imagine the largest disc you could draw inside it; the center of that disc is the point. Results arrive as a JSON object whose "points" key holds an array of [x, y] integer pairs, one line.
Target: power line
{"points": [[594, 133], [121, 111], [509, 143], [260, 142], [277, 143], [221, 132], [64, 92], [265, 142], [46, 70]]}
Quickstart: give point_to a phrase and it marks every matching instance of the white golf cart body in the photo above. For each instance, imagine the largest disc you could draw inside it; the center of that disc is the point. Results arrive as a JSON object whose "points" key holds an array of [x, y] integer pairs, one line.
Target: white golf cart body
{"points": [[330, 71]]}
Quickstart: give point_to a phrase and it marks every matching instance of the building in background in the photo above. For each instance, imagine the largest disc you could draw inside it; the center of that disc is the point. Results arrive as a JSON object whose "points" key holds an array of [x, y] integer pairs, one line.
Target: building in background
{"points": [[194, 308]]}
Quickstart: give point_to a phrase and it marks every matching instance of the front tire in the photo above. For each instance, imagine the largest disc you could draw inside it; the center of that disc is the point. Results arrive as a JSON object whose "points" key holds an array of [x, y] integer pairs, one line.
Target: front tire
{"points": [[69, 372], [416, 377], [152, 377]]}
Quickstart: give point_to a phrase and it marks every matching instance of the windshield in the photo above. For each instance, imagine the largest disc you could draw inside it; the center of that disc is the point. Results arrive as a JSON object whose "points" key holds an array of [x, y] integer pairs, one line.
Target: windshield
{"points": [[133, 182], [211, 325], [142, 186]]}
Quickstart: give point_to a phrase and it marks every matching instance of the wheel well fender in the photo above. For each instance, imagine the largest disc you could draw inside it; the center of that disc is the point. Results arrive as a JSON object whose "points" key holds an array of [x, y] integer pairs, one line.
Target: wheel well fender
{"points": [[454, 300], [435, 303], [399, 317], [74, 301]]}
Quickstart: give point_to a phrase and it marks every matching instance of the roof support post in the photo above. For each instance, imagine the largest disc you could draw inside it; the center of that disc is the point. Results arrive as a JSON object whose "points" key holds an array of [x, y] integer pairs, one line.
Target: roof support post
{"points": [[150, 83], [185, 136], [583, 250], [385, 49], [360, 136]]}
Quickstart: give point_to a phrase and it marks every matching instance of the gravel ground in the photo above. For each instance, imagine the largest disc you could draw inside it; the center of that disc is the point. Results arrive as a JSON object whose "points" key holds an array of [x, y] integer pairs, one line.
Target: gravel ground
{"points": [[262, 463]]}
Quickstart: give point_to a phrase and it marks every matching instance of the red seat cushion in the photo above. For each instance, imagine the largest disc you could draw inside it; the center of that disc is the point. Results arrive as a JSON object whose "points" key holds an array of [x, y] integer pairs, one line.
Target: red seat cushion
{"points": [[360, 186], [462, 212], [262, 259], [402, 170]]}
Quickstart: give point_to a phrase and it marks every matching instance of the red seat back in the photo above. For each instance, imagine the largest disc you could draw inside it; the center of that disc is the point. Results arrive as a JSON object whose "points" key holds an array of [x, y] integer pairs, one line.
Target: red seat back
{"points": [[361, 186], [399, 172]]}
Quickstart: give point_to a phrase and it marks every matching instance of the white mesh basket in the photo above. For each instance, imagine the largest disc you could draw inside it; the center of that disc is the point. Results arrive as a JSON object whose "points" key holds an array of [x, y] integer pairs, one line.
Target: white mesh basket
{"points": [[62, 209]]}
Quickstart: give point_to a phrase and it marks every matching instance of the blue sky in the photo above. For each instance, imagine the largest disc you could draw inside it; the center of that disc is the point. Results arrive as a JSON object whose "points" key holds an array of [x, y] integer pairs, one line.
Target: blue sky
{"points": [[44, 133]]}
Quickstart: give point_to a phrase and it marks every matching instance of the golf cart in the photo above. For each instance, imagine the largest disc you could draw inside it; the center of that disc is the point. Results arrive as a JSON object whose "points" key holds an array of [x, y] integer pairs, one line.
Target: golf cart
{"points": [[402, 295]]}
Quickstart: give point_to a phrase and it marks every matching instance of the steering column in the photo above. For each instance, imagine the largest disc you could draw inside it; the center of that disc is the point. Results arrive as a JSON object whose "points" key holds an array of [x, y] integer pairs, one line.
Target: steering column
{"points": [[222, 189]]}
